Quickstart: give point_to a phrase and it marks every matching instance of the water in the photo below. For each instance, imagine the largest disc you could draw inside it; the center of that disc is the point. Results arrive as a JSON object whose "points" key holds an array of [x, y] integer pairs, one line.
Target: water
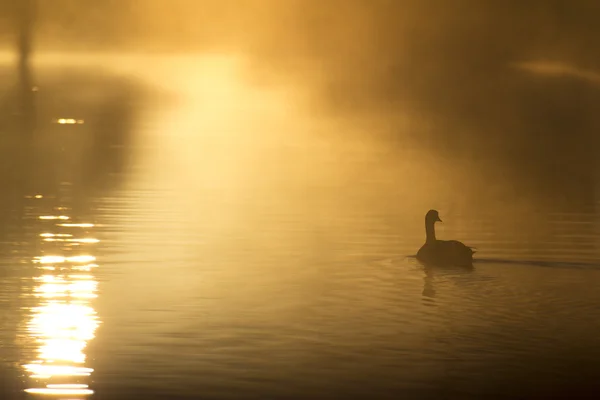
{"points": [[196, 255]]}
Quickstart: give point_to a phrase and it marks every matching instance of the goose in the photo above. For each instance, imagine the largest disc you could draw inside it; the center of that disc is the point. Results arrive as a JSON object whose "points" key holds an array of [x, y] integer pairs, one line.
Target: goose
{"points": [[442, 252]]}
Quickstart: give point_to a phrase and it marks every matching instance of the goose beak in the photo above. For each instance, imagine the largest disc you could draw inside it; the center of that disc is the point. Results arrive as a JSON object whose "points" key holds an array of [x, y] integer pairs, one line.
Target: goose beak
{"points": [[439, 219]]}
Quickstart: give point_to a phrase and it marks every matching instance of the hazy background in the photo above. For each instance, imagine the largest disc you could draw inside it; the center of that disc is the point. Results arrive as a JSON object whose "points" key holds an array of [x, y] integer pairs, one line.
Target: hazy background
{"points": [[511, 86], [252, 175]]}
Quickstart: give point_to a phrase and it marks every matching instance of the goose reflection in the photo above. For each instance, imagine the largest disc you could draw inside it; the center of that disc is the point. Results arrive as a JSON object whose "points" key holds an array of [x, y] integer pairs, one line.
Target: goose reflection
{"points": [[433, 273], [428, 283]]}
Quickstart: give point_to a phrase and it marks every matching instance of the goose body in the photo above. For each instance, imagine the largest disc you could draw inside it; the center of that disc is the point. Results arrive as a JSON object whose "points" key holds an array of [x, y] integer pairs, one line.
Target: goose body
{"points": [[442, 252]]}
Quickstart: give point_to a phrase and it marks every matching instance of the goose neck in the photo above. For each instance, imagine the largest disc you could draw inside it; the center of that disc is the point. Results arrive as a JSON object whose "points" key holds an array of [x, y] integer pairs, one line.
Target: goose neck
{"points": [[430, 231]]}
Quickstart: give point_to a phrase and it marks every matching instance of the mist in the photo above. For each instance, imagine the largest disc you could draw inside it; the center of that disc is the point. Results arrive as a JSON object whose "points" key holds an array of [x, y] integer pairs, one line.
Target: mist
{"points": [[506, 91], [221, 183], [459, 80]]}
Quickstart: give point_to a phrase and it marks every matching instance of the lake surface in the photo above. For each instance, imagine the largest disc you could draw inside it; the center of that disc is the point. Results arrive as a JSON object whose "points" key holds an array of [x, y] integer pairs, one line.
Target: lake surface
{"points": [[228, 244]]}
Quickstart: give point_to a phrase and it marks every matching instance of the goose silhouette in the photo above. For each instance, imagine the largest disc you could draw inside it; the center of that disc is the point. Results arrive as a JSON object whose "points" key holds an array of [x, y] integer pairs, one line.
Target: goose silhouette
{"points": [[443, 252]]}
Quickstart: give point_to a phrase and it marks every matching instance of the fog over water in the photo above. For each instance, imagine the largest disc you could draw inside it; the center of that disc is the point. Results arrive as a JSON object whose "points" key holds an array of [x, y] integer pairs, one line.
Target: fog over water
{"points": [[223, 199]]}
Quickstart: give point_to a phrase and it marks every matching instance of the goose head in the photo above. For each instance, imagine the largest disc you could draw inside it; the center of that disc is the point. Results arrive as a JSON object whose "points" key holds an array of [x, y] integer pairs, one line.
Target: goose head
{"points": [[432, 217]]}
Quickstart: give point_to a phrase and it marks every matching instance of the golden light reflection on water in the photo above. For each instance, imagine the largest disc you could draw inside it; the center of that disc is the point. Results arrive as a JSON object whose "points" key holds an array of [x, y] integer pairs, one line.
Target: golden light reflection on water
{"points": [[69, 121], [51, 217], [67, 238], [76, 225], [63, 321], [72, 241], [61, 259]]}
